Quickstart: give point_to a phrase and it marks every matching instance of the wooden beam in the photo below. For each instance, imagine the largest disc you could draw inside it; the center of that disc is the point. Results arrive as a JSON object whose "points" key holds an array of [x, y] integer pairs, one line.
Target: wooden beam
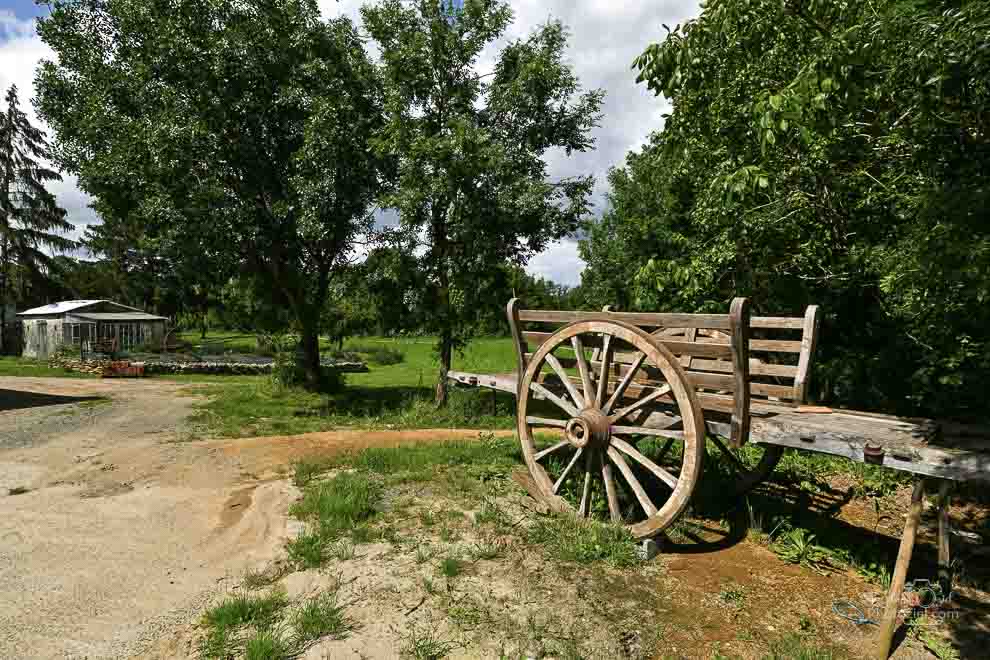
{"points": [[888, 625], [739, 318]]}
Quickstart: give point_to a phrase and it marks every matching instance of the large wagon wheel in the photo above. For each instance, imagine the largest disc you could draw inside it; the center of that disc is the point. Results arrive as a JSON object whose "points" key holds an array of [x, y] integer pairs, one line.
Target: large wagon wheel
{"points": [[751, 464], [606, 463]]}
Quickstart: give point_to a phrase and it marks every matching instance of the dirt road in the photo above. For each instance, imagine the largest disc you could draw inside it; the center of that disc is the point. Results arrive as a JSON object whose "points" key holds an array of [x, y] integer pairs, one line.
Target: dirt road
{"points": [[126, 527]]}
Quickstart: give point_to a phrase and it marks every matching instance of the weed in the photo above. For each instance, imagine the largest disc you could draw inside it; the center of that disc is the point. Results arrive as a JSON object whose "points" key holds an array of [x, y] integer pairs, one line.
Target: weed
{"points": [[488, 548], [307, 469], [921, 628], [338, 504], [363, 533], [266, 577], [794, 647], [424, 553], [567, 538], [797, 546], [427, 518], [491, 514], [242, 609], [307, 550], [426, 644], [733, 595], [268, 644], [322, 616], [343, 550], [429, 587], [450, 567], [448, 535], [226, 619]]}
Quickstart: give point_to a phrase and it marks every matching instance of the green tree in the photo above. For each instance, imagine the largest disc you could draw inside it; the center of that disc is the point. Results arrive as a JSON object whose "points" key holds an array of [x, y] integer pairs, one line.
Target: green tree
{"points": [[473, 186], [824, 152], [229, 136], [31, 222]]}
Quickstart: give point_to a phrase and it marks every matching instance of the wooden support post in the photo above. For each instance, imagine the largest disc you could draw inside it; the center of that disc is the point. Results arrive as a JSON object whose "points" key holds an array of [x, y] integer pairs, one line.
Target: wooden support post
{"points": [[944, 558], [888, 625]]}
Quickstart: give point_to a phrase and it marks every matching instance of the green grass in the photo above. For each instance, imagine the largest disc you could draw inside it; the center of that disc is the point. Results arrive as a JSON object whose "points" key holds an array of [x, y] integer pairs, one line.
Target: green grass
{"points": [[794, 647], [20, 366], [334, 508], [396, 395], [321, 616], [225, 621], [566, 538]]}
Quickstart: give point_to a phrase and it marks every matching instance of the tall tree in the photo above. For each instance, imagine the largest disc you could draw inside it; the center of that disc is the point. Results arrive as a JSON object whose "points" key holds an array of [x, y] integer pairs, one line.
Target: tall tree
{"points": [[235, 133], [473, 188], [824, 152], [31, 221]]}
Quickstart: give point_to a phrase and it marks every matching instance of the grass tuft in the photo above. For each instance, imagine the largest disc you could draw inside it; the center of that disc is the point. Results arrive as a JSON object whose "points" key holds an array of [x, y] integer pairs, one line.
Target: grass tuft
{"points": [[322, 616], [567, 538]]}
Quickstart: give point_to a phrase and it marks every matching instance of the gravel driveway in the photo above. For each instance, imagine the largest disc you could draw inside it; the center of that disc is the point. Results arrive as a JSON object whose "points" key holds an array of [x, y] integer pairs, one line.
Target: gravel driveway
{"points": [[124, 528]]}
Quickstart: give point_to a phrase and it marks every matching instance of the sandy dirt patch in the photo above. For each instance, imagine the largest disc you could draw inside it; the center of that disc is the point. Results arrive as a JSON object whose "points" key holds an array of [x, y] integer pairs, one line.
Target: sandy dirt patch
{"points": [[126, 527]]}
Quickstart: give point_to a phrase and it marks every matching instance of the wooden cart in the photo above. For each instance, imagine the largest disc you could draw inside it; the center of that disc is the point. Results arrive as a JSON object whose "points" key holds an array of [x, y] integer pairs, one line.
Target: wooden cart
{"points": [[614, 410]]}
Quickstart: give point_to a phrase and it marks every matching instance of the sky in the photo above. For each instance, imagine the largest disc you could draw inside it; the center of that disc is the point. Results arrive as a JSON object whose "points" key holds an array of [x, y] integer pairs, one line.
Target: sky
{"points": [[605, 37]]}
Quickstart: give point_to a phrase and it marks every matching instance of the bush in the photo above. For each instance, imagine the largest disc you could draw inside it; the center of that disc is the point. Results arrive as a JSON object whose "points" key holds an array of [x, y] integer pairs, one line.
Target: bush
{"points": [[380, 355]]}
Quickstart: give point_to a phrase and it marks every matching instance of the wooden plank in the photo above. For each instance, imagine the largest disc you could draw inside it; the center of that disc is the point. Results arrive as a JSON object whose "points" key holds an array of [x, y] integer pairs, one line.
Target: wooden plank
{"points": [[512, 312], [809, 339], [761, 345], [777, 322], [709, 349], [642, 319], [739, 319]]}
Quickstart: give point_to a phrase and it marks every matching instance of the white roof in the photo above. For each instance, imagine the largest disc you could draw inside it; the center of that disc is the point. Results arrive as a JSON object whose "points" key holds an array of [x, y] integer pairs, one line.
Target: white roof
{"points": [[68, 306]]}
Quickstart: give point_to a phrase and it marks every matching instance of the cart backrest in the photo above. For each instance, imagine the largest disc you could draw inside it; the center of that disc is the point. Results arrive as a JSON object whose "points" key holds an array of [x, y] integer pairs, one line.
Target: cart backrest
{"points": [[730, 359]]}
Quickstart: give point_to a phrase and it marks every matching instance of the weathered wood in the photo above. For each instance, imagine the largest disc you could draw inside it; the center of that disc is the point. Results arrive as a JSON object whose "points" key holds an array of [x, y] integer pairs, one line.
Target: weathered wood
{"points": [[640, 319], [888, 624], [512, 313], [590, 429], [944, 558], [739, 322], [809, 340]]}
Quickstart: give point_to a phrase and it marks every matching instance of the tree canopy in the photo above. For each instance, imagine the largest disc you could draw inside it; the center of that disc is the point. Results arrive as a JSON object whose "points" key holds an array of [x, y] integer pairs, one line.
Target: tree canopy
{"points": [[220, 137], [821, 152], [473, 187]]}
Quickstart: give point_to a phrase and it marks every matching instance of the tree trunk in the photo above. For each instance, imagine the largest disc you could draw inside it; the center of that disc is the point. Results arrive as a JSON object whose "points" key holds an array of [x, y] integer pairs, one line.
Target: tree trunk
{"points": [[446, 349], [311, 356]]}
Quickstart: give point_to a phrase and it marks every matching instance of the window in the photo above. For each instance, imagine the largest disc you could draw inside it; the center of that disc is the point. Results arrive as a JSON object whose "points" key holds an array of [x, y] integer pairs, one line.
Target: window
{"points": [[76, 333]]}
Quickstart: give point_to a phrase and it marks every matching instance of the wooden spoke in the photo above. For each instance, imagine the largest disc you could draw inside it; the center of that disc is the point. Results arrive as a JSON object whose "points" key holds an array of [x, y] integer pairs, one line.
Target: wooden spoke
{"points": [[620, 389], [653, 396], [603, 374], [566, 380], [549, 450], [644, 499], [585, 370], [567, 470], [563, 405], [631, 451], [586, 491], [737, 465], [610, 494], [643, 430], [546, 421]]}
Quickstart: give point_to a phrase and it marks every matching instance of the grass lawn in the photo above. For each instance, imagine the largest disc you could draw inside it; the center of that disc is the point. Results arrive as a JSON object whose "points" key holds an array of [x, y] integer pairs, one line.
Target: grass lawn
{"points": [[388, 396], [19, 366]]}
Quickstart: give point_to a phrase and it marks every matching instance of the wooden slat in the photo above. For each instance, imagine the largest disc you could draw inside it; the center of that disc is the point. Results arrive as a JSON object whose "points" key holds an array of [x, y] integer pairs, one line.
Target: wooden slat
{"points": [[643, 319], [777, 322], [808, 341], [708, 348], [763, 345]]}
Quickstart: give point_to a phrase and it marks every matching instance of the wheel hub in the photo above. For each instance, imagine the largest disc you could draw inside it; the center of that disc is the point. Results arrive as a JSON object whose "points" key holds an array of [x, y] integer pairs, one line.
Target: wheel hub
{"points": [[590, 428]]}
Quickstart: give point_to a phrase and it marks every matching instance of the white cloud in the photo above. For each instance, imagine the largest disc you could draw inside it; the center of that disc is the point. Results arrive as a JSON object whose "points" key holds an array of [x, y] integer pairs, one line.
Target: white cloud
{"points": [[559, 263], [605, 38]]}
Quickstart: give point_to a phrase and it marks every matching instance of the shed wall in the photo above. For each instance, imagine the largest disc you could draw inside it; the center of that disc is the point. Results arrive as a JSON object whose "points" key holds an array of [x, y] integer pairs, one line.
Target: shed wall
{"points": [[42, 337]]}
